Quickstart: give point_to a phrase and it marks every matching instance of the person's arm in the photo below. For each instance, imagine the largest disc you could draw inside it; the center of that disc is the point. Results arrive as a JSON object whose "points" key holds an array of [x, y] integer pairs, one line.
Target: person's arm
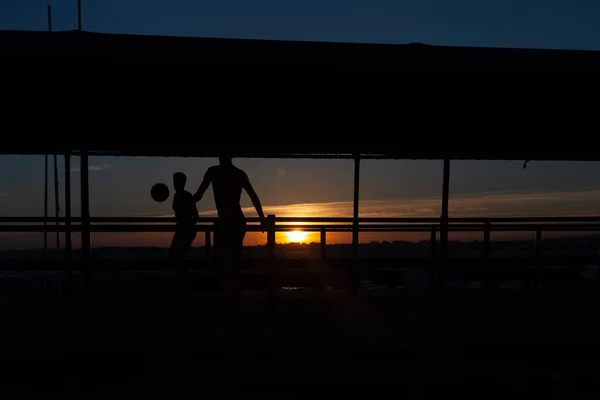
{"points": [[194, 209], [254, 198], [203, 186]]}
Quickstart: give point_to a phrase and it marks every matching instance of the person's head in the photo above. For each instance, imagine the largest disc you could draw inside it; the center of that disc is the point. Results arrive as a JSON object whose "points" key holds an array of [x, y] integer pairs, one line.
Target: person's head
{"points": [[225, 158], [179, 180]]}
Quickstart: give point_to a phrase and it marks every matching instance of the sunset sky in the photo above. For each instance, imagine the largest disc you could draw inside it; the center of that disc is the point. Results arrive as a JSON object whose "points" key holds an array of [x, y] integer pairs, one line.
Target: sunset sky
{"points": [[309, 188]]}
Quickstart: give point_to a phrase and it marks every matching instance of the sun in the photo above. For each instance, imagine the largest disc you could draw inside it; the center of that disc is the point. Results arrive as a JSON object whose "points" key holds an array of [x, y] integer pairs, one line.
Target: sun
{"points": [[297, 236]]}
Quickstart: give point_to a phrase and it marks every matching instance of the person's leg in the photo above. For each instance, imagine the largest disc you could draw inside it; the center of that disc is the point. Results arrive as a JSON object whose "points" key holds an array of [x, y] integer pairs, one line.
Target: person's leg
{"points": [[238, 243], [218, 242], [177, 255], [228, 268], [187, 239], [175, 251], [229, 238], [235, 246], [220, 265]]}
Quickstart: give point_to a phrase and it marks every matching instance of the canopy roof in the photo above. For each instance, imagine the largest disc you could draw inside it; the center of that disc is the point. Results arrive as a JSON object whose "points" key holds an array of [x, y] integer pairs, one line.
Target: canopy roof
{"points": [[553, 151], [18, 46], [416, 116]]}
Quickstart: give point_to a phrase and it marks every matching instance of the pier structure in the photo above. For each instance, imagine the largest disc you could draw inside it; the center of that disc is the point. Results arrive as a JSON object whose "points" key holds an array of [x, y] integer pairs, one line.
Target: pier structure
{"points": [[400, 115]]}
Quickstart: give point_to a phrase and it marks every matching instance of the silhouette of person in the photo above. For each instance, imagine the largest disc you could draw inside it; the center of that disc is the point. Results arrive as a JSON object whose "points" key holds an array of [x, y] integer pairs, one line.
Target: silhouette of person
{"points": [[227, 182], [186, 214]]}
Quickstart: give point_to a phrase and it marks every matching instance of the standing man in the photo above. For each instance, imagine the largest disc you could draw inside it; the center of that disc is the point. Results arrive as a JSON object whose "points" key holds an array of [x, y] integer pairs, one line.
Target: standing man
{"points": [[228, 181]]}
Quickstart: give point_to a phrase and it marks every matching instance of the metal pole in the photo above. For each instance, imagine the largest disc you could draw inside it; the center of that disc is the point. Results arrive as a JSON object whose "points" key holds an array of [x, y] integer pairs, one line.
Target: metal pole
{"points": [[56, 201], [444, 216], [271, 236], [85, 234], [49, 12], [85, 207], [444, 229], [45, 203], [356, 202], [68, 246], [78, 15], [354, 276], [49, 15]]}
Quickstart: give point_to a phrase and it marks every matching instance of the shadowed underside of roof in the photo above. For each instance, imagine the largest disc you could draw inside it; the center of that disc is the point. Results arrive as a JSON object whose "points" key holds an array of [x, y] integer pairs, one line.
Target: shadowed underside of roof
{"points": [[503, 117], [503, 129], [19, 46], [460, 151]]}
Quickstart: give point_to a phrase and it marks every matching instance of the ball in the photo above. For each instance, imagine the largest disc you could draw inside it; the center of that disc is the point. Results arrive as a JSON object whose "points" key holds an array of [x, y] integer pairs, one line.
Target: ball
{"points": [[159, 192]]}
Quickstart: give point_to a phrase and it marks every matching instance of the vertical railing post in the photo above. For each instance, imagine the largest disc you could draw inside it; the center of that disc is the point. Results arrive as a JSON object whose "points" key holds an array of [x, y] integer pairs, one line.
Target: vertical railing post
{"points": [[432, 254], [323, 272], [271, 256], [433, 241], [323, 243], [486, 239], [538, 256], [271, 236], [207, 244]]}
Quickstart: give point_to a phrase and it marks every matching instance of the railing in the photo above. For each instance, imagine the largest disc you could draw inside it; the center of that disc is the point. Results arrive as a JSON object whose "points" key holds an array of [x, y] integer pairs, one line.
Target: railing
{"points": [[351, 270], [536, 225]]}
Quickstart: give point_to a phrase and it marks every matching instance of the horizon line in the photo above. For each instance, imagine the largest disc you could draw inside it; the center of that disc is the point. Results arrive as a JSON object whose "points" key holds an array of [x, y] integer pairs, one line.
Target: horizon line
{"points": [[381, 242]]}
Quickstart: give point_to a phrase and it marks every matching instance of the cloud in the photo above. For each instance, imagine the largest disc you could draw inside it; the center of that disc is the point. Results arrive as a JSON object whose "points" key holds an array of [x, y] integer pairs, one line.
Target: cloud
{"points": [[97, 167], [488, 204], [3, 194]]}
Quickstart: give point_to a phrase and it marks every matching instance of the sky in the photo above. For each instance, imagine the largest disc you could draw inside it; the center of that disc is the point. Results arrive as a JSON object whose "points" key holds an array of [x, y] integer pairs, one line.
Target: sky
{"points": [[120, 186]]}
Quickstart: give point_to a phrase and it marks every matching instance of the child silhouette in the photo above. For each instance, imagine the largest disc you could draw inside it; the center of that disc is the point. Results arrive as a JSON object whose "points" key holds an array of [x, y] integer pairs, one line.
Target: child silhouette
{"points": [[186, 214]]}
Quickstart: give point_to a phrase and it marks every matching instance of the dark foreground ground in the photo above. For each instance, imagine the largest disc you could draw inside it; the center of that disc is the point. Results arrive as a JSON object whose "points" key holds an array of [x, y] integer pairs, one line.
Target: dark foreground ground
{"points": [[379, 342]]}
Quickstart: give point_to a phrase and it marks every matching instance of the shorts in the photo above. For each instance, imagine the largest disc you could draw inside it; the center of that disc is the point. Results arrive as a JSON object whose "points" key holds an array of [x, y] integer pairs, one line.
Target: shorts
{"points": [[229, 239]]}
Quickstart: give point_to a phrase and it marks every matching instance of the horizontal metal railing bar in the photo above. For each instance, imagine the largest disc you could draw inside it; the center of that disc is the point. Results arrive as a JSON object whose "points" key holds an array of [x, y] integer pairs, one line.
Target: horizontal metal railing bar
{"points": [[306, 228], [495, 220]]}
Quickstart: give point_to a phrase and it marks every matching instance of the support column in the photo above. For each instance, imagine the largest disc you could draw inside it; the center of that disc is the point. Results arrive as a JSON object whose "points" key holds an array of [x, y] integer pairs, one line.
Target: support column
{"points": [[56, 201], [86, 254], [272, 279], [45, 204], [356, 203], [355, 275], [444, 229], [85, 208], [68, 237]]}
